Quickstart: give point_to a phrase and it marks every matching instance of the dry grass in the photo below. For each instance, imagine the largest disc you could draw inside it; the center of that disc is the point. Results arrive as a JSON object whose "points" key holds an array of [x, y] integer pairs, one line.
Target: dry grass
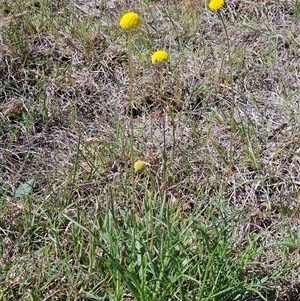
{"points": [[63, 121]]}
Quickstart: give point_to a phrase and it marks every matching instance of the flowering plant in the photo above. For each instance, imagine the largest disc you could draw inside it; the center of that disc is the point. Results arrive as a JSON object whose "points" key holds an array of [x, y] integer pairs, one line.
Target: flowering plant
{"points": [[160, 56], [216, 4], [139, 166], [130, 20]]}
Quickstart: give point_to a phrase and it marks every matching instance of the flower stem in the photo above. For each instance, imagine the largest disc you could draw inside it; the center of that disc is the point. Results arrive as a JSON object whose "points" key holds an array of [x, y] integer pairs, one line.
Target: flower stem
{"points": [[232, 123], [164, 153], [173, 132], [130, 96]]}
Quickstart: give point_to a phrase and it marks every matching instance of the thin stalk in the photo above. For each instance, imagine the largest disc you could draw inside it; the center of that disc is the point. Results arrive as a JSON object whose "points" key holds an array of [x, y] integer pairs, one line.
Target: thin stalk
{"points": [[152, 224], [130, 96], [204, 279], [164, 153], [173, 132], [232, 124]]}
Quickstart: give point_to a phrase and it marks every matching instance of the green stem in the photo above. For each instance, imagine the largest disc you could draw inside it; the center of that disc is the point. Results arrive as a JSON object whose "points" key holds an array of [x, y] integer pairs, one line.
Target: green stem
{"points": [[152, 225]]}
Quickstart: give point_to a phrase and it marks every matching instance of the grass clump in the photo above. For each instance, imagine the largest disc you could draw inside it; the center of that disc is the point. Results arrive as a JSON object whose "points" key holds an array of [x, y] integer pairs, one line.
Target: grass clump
{"points": [[188, 260]]}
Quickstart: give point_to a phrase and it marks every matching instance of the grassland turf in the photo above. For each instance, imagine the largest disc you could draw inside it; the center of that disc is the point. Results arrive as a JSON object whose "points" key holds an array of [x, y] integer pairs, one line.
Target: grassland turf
{"points": [[76, 223]]}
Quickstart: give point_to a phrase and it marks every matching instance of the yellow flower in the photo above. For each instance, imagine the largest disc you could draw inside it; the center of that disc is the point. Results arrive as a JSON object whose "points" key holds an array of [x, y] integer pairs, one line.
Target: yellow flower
{"points": [[160, 56], [139, 166], [130, 20], [216, 4]]}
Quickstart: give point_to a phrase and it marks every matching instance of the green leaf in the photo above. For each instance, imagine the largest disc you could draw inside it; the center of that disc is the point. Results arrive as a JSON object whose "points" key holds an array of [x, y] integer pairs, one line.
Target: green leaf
{"points": [[25, 188]]}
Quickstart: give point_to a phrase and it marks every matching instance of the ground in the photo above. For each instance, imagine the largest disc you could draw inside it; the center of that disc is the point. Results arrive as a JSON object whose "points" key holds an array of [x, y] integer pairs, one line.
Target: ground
{"points": [[217, 126]]}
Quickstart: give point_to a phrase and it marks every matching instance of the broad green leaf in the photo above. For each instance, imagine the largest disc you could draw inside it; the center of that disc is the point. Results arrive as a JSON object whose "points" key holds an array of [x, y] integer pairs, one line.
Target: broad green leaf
{"points": [[25, 188]]}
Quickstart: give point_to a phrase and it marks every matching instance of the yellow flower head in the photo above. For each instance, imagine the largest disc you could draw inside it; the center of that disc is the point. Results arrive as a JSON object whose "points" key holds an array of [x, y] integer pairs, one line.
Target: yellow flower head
{"points": [[160, 56], [139, 166], [130, 21], [216, 4]]}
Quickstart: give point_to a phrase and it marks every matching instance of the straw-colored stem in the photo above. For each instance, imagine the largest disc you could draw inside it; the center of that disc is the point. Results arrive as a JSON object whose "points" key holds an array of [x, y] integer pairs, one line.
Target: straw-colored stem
{"points": [[173, 132], [232, 123], [131, 96], [164, 153]]}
